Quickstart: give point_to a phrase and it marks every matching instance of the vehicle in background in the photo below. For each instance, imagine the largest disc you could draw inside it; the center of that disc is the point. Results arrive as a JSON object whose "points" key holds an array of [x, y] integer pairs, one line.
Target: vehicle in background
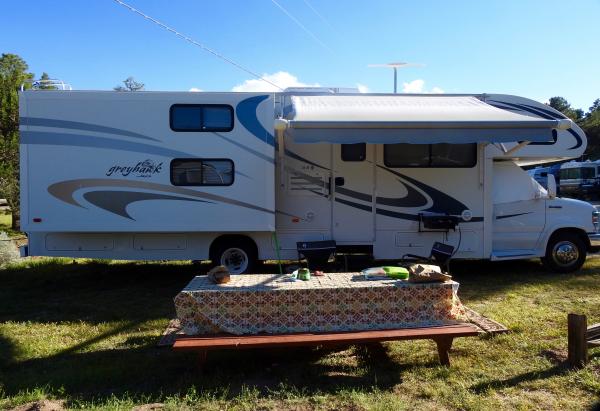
{"points": [[540, 174], [580, 179]]}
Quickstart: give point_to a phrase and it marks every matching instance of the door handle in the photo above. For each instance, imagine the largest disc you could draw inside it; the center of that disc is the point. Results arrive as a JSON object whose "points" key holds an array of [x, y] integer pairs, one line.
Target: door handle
{"points": [[339, 181]]}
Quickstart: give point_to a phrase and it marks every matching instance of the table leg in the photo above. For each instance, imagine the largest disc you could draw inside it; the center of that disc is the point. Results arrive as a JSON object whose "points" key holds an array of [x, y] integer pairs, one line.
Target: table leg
{"points": [[443, 345], [202, 354]]}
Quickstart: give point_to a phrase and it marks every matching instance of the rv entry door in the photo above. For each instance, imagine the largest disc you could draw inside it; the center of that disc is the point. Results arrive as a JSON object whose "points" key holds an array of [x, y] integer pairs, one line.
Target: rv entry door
{"points": [[353, 182]]}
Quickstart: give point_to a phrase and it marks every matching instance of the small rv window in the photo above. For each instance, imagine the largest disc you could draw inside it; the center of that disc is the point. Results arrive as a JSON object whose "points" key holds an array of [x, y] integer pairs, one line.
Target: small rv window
{"points": [[201, 117], [430, 155], [354, 152], [202, 172]]}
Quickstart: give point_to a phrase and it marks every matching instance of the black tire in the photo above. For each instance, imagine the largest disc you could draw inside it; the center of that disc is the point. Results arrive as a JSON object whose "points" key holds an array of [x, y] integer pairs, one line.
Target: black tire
{"points": [[239, 255], [565, 253]]}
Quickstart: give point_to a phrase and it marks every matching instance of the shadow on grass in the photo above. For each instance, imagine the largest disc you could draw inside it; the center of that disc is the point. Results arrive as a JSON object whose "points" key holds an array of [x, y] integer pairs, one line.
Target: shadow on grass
{"points": [[554, 371], [147, 371], [561, 368], [94, 292], [483, 279]]}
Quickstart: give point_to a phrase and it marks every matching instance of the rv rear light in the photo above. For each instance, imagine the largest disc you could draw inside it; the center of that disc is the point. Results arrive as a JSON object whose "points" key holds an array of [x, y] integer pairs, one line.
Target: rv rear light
{"points": [[595, 219], [37, 220]]}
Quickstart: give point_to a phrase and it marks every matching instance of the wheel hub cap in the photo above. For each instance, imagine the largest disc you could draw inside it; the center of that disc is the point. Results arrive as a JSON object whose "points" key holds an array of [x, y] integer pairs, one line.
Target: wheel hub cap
{"points": [[565, 253], [235, 260]]}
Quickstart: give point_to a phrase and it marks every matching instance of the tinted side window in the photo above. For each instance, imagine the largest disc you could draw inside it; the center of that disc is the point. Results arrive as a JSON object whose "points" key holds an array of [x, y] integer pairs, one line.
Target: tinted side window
{"points": [[201, 117], [430, 155], [354, 152], [406, 155], [202, 172], [453, 155], [587, 172]]}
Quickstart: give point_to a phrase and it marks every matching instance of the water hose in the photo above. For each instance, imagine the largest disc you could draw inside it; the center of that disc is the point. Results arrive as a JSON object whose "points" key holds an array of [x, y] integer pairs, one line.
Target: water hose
{"points": [[277, 251]]}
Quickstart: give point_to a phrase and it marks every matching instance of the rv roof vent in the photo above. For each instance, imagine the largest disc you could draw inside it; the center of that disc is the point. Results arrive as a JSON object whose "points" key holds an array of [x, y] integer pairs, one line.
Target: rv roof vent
{"points": [[48, 84]]}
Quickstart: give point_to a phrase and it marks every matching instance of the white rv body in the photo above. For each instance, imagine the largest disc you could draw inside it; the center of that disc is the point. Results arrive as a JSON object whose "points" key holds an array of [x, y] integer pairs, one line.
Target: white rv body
{"points": [[96, 175]]}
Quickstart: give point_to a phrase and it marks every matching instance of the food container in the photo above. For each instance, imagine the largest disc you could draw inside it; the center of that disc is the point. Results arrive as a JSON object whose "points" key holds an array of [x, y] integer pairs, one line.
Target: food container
{"points": [[304, 274], [398, 273]]}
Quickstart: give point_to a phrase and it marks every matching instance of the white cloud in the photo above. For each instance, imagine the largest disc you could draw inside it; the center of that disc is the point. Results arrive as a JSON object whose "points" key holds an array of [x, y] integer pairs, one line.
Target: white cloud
{"points": [[418, 86], [195, 89], [282, 78], [362, 88]]}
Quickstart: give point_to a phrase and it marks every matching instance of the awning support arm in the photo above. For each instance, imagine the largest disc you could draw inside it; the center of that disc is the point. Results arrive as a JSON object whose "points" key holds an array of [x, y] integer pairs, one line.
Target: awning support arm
{"points": [[515, 148]]}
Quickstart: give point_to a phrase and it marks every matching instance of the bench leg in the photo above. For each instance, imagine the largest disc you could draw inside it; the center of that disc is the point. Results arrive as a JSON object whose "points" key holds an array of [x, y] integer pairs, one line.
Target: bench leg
{"points": [[443, 345]]}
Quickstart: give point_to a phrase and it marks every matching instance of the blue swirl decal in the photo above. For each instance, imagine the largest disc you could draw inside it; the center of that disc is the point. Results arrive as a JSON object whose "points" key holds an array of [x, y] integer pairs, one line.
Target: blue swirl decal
{"points": [[246, 114]]}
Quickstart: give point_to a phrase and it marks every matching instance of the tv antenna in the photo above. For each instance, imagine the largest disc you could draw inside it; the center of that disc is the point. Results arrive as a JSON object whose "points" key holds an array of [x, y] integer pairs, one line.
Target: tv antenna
{"points": [[396, 66]]}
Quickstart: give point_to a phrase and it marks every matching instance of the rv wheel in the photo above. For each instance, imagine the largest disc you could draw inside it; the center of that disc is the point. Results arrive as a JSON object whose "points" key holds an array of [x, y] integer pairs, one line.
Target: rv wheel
{"points": [[238, 256], [565, 253]]}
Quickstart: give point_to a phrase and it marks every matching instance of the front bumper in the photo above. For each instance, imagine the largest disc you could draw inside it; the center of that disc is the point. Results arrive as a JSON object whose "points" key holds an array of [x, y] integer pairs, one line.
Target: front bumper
{"points": [[594, 240]]}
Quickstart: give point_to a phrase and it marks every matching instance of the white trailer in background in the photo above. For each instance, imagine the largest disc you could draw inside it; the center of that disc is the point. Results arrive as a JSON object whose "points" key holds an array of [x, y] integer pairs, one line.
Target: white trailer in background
{"points": [[226, 176]]}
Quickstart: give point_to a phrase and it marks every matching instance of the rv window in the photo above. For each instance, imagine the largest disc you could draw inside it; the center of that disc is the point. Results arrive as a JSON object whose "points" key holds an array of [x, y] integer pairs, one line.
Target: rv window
{"points": [[201, 117], [453, 155], [430, 155], [354, 152], [406, 155], [587, 172], [202, 172]]}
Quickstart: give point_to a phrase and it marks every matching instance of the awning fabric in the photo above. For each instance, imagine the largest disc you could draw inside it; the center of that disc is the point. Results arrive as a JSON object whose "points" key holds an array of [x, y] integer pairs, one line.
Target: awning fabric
{"points": [[413, 119]]}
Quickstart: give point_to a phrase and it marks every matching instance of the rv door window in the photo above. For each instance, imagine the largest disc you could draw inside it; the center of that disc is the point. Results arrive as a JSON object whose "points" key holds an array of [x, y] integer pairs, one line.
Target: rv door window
{"points": [[201, 117], [354, 152], [430, 155], [202, 172]]}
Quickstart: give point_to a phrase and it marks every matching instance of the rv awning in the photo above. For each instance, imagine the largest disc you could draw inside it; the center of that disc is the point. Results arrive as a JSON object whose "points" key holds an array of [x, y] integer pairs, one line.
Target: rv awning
{"points": [[410, 119]]}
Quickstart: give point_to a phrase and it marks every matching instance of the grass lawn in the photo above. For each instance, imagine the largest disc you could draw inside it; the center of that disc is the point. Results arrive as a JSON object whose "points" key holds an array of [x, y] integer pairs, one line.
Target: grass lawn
{"points": [[86, 333], [5, 225]]}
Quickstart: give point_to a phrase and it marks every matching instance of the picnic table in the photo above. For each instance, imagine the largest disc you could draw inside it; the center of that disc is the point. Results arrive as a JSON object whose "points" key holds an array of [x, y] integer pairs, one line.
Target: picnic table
{"points": [[268, 310]]}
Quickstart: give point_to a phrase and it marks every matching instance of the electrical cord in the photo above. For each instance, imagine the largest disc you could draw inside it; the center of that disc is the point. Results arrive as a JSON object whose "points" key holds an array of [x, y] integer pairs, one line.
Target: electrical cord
{"points": [[459, 241]]}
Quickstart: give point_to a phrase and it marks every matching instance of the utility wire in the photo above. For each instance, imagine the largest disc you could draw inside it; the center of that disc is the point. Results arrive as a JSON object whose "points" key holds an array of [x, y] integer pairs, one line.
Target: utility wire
{"points": [[302, 26], [194, 42], [310, 6]]}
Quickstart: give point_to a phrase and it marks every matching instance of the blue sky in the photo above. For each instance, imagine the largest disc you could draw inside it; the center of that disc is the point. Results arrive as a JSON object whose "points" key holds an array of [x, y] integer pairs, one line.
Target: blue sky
{"points": [[532, 48]]}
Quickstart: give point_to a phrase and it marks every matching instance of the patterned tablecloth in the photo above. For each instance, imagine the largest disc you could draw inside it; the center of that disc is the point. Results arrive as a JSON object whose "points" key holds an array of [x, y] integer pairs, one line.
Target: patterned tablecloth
{"points": [[276, 304]]}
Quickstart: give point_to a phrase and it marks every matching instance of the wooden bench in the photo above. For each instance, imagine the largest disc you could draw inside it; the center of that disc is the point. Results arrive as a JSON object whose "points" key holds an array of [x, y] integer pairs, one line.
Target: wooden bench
{"points": [[442, 335]]}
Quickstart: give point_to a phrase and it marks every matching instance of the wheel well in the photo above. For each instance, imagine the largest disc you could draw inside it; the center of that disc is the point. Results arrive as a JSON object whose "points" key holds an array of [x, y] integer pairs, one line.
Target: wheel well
{"points": [[231, 238], [571, 230]]}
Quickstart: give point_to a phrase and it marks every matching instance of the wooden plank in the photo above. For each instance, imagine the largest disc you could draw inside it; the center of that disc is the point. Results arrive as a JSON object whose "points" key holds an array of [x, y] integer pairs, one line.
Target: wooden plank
{"points": [[578, 347], [593, 331], [593, 343], [225, 341]]}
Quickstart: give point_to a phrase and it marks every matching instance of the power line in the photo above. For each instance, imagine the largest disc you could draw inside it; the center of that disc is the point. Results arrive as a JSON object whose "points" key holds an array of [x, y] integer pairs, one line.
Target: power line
{"points": [[310, 6], [302, 26], [194, 42]]}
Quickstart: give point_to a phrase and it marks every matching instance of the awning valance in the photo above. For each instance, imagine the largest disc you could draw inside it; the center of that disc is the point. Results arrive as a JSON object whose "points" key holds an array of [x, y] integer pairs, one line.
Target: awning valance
{"points": [[410, 119]]}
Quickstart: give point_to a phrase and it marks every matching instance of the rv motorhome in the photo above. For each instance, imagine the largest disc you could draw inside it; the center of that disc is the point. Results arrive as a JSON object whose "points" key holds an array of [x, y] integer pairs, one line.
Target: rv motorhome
{"points": [[580, 179], [227, 176]]}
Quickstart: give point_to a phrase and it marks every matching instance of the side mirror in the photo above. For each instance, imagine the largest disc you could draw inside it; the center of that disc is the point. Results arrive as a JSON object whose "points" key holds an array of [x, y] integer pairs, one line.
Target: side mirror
{"points": [[551, 186]]}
